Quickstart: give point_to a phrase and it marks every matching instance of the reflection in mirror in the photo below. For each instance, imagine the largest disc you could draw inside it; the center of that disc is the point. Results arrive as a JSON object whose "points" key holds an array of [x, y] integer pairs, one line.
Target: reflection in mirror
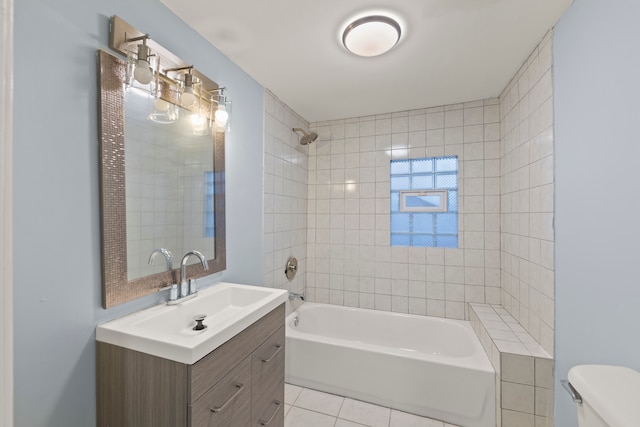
{"points": [[169, 184], [162, 188]]}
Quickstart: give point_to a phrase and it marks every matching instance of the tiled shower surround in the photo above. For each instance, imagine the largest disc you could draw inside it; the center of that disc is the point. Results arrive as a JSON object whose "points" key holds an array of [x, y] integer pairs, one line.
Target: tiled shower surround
{"points": [[527, 236], [504, 262], [349, 258], [285, 195]]}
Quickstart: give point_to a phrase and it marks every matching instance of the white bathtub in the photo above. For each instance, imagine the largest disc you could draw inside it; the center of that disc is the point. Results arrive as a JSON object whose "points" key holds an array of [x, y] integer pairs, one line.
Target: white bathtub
{"points": [[423, 365]]}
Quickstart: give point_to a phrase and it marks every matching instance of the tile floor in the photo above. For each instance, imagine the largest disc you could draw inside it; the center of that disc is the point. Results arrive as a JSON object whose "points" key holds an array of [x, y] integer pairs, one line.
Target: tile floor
{"points": [[310, 408]]}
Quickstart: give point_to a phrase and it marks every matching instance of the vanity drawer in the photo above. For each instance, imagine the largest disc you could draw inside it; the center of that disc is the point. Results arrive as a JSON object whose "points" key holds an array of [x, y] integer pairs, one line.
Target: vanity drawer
{"points": [[267, 371], [271, 413], [228, 404], [206, 372]]}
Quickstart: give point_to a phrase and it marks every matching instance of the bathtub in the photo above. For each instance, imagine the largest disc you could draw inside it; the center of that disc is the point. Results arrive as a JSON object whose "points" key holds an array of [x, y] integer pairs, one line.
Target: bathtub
{"points": [[423, 365]]}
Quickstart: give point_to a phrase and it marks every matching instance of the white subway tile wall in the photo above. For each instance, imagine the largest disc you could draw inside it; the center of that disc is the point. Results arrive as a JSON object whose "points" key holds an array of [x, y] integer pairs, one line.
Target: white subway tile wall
{"points": [[285, 195], [350, 261], [527, 202]]}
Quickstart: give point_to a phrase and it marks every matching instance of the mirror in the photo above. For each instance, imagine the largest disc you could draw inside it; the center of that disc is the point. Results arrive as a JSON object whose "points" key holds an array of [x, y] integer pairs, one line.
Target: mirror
{"points": [[162, 185], [169, 185]]}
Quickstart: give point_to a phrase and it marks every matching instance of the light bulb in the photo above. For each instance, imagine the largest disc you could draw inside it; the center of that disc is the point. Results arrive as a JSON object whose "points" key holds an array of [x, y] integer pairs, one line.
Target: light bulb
{"points": [[197, 120], [161, 105], [221, 116], [143, 73], [188, 98], [198, 124]]}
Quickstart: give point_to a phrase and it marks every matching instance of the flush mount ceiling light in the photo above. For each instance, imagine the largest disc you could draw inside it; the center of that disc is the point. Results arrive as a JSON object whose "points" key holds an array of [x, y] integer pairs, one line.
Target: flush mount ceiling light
{"points": [[371, 35]]}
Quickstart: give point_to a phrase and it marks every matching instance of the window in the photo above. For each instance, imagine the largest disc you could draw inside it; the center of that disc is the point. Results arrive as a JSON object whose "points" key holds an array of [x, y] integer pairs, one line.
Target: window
{"points": [[424, 202]]}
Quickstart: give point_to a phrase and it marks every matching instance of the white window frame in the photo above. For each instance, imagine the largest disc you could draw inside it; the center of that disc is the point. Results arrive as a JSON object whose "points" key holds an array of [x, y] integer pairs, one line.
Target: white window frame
{"points": [[442, 194]]}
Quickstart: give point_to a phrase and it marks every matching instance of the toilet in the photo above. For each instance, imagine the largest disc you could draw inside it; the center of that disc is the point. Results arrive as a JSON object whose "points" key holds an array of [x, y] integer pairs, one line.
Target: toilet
{"points": [[610, 395]]}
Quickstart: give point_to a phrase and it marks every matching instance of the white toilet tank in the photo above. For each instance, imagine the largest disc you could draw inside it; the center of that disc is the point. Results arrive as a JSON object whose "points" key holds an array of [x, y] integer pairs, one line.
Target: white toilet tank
{"points": [[610, 395]]}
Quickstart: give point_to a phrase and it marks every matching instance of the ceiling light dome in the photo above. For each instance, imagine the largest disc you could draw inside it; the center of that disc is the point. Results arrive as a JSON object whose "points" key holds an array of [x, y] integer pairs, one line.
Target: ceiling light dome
{"points": [[371, 35]]}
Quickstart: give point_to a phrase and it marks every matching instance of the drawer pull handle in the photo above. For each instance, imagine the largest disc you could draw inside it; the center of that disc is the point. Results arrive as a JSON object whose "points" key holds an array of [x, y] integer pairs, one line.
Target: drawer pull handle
{"points": [[278, 348], [277, 404], [233, 396]]}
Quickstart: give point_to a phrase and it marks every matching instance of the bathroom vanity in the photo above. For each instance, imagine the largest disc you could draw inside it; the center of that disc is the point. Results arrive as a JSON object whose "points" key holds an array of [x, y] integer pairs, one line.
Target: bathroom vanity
{"points": [[214, 360], [239, 383]]}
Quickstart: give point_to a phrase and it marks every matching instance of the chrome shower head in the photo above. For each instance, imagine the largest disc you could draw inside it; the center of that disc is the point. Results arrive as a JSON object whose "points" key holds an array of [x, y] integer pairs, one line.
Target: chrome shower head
{"points": [[307, 138]]}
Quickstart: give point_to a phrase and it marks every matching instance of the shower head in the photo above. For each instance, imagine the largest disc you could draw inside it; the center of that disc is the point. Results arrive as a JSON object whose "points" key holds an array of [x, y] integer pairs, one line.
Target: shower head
{"points": [[307, 138]]}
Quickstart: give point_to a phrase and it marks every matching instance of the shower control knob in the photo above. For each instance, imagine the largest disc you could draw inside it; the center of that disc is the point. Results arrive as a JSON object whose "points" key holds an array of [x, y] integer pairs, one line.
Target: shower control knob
{"points": [[291, 269]]}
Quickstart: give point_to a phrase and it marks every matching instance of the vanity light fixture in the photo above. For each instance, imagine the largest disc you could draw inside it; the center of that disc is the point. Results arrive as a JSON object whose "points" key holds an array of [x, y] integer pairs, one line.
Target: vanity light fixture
{"points": [[163, 112], [199, 124], [222, 113], [172, 84], [142, 72], [222, 116], [188, 99], [188, 96], [371, 35]]}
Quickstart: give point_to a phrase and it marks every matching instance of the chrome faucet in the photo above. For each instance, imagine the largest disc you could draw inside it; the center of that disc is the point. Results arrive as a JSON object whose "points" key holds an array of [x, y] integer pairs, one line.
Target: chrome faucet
{"points": [[184, 291], [293, 295], [166, 254]]}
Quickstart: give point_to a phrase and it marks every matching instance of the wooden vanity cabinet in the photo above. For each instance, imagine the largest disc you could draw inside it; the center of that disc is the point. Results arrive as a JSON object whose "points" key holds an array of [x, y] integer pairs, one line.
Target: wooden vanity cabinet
{"points": [[239, 384], [267, 382]]}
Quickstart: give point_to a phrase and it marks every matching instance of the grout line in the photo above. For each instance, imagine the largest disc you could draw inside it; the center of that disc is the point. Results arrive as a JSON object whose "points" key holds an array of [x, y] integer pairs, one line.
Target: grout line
{"points": [[340, 410], [336, 418]]}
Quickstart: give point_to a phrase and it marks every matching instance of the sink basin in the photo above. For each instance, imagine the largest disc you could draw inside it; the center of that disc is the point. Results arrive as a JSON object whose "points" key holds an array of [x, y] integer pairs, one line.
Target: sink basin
{"points": [[167, 330]]}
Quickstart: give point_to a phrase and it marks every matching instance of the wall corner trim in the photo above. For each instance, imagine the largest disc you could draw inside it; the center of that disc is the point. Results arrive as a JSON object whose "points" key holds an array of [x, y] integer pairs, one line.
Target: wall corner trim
{"points": [[6, 213]]}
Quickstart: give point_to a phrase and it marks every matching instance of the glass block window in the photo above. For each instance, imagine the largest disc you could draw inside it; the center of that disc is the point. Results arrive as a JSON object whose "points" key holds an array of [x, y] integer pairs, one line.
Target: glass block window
{"points": [[415, 183], [209, 220]]}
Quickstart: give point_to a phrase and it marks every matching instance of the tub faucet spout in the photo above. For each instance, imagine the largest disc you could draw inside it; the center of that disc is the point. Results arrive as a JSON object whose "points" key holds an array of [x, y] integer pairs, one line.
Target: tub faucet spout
{"points": [[183, 269], [293, 295]]}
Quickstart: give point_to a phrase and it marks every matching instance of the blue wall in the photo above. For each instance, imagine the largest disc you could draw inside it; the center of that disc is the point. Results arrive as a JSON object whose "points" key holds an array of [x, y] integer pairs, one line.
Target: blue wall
{"points": [[57, 215], [597, 113]]}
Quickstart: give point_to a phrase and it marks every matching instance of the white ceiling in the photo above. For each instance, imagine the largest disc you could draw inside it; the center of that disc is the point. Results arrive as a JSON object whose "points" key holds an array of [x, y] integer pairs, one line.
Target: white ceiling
{"points": [[451, 50]]}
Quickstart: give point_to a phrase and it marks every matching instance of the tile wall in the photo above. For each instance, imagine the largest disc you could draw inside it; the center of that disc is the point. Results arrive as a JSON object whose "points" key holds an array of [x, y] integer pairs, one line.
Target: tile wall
{"points": [[504, 266], [524, 370], [285, 195], [527, 190], [349, 258]]}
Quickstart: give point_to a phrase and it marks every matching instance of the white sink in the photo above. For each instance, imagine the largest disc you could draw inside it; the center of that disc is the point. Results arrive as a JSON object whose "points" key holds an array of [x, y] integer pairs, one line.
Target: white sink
{"points": [[167, 330]]}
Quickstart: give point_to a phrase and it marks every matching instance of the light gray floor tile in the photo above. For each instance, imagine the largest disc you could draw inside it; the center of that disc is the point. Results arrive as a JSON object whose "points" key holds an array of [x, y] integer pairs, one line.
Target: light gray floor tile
{"points": [[344, 423], [310, 408], [365, 413], [318, 401], [299, 417], [291, 393], [402, 419]]}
